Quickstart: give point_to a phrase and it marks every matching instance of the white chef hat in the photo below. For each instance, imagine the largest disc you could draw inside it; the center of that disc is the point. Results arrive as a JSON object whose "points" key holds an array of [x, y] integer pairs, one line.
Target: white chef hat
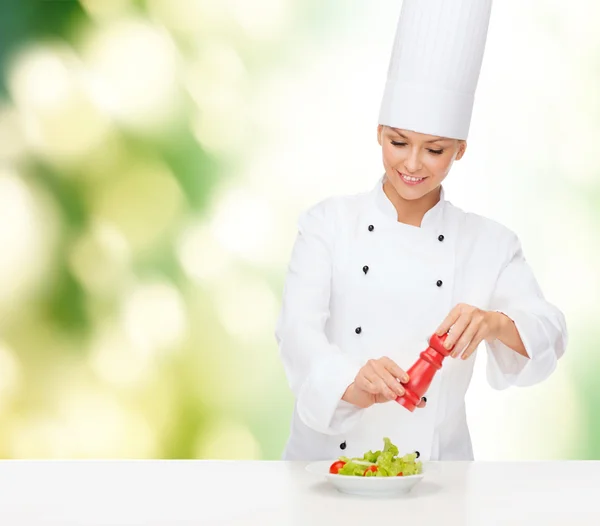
{"points": [[435, 66]]}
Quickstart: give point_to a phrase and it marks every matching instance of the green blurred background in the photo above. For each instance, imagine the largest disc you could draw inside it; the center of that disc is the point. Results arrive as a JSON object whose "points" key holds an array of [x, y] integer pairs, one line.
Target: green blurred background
{"points": [[154, 157]]}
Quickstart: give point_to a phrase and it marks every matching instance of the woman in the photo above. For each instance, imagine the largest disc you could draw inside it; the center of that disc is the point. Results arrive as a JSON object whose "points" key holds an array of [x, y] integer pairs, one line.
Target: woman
{"points": [[373, 275]]}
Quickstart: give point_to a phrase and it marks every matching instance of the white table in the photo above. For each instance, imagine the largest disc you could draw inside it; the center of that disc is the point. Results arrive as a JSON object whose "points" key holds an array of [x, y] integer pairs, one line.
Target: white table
{"points": [[228, 493]]}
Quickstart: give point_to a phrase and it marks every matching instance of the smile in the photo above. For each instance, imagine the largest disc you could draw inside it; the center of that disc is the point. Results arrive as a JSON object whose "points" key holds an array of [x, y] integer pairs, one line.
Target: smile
{"points": [[409, 179]]}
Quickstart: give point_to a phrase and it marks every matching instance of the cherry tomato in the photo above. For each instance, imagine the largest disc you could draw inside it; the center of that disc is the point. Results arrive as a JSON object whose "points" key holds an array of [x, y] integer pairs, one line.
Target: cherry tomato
{"points": [[336, 466], [370, 468]]}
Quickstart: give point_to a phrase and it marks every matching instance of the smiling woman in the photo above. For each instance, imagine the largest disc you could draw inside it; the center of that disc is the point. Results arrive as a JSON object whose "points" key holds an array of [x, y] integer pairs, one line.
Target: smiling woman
{"points": [[415, 165], [372, 276]]}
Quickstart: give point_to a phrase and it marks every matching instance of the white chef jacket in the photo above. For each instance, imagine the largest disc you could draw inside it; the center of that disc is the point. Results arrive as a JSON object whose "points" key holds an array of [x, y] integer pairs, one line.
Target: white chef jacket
{"points": [[362, 285]]}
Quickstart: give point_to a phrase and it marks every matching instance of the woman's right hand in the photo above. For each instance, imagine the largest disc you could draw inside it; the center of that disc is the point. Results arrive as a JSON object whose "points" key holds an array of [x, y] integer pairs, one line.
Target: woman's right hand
{"points": [[377, 382]]}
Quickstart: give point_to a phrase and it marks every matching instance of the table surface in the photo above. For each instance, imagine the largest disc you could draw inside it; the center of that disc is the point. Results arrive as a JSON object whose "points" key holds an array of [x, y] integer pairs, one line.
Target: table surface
{"points": [[269, 493]]}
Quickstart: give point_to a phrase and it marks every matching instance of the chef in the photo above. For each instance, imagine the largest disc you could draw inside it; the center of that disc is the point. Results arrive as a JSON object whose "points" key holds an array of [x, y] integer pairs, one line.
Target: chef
{"points": [[373, 275]]}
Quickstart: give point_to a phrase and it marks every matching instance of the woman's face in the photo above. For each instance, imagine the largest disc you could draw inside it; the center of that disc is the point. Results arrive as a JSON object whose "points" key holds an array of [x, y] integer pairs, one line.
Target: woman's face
{"points": [[416, 164]]}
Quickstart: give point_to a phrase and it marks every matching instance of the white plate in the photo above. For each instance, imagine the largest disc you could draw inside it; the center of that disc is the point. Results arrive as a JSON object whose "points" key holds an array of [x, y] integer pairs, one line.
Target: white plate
{"points": [[368, 486]]}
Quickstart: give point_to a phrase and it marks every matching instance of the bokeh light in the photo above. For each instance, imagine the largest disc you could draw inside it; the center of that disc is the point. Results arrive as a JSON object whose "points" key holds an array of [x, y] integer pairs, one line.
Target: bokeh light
{"points": [[60, 119], [143, 96], [28, 237], [142, 201], [10, 375], [154, 317], [227, 440]]}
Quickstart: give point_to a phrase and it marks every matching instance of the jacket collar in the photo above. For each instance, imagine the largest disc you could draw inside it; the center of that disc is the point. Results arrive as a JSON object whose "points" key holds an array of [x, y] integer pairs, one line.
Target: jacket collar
{"points": [[431, 220]]}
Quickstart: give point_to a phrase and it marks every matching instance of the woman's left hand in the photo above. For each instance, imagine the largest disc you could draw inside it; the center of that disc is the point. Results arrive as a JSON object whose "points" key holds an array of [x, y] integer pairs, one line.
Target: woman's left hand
{"points": [[468, 327]]}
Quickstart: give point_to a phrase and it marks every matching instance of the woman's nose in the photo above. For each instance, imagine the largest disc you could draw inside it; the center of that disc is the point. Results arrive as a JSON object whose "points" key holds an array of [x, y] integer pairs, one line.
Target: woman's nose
{"points": [[413, 163], [412, 167]]}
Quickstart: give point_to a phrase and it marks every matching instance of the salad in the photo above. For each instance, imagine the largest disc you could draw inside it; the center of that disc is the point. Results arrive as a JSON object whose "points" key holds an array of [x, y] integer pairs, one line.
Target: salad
{"points": [[384, 463]]}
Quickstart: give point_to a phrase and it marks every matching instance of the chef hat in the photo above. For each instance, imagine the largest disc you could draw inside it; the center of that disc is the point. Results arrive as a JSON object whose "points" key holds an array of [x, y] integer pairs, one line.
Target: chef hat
{"points": [[435, 66]]}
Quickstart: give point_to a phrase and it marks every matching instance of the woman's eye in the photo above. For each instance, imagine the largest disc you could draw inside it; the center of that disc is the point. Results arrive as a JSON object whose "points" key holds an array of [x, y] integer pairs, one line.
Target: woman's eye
{"points": [[435, 152]]}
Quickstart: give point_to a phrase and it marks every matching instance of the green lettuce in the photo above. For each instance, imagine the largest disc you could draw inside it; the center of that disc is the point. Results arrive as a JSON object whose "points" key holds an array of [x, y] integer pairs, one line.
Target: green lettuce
{"points": [[388, 463]]}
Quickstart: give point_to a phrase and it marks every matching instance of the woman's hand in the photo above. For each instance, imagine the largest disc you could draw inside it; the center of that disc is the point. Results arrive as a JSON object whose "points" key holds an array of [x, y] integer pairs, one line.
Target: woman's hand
{"points": [[468, 327], [377, 382]]}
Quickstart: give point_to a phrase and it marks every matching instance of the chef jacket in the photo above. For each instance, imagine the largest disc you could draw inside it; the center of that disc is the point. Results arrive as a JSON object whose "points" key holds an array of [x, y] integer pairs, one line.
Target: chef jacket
{"points": [[362, 285]]}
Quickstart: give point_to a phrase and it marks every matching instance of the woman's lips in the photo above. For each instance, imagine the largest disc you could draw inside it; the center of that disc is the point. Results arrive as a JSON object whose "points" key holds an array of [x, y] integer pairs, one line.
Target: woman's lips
{"points": [[410, 180]]}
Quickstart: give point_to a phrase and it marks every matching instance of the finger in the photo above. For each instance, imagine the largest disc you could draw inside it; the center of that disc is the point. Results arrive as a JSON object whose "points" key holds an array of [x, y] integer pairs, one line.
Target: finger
{"points": [[457, 330], [367, 384], [477, 339], [422, 403], [386, 391], [366, 375], [390, 381], [362, 382], [449, 321], [466, 338], [394, 370], [380, 387]]}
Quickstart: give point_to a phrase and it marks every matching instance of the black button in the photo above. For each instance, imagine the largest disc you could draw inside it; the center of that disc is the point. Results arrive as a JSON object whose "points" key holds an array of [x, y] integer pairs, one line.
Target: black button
{"points": [[343, 445], [358, 330], [365, 269], [440, 237], [371, 228], [418, 454], [424, 398], [439, 283]]}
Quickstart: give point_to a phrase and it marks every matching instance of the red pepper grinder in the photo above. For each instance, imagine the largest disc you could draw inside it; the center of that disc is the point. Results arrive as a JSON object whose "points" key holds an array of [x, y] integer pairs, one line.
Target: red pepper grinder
{"points": [[421, 374]]}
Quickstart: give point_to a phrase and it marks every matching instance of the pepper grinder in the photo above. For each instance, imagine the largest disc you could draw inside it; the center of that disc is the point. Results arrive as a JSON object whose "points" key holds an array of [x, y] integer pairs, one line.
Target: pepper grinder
{"points": [[421, 374]]}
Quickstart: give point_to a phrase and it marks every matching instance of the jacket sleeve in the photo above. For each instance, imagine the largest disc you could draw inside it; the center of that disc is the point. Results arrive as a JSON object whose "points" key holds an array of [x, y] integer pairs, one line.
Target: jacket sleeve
{"points": [[318, 371], [541, 326]]}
